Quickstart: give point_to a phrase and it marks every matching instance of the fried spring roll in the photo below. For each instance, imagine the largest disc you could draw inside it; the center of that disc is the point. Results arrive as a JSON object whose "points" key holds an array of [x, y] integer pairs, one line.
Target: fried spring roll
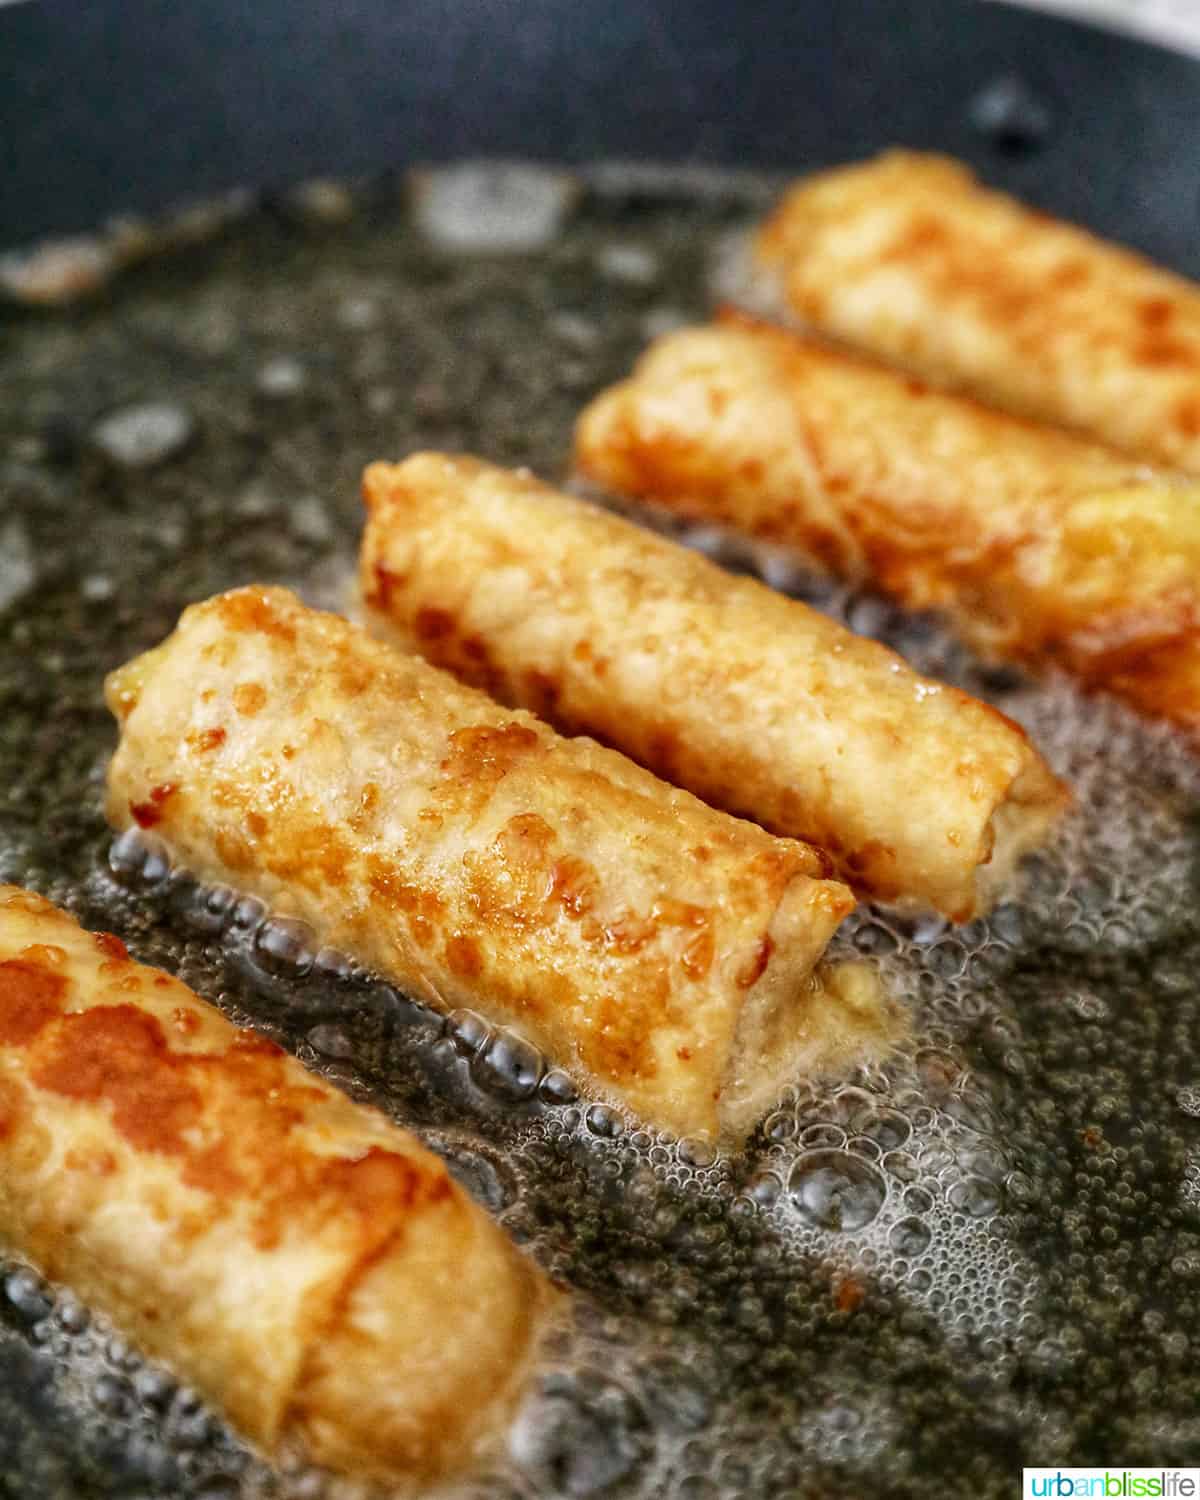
{"points": [[667, 953], [301, 1260], [909, 258], [1043, 548], [755, 702]]}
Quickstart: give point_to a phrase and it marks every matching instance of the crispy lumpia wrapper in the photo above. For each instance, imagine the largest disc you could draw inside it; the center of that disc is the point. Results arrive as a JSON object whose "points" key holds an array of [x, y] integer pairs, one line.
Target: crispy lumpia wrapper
{"points": [[909, 258], [299, 1259], [760, 705], [632, 933], [1045, 549]]}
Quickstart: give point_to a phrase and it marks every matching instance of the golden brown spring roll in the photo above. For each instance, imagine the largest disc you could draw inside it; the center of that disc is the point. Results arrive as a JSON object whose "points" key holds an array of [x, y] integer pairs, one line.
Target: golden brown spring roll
{"points": [[909, 258], [667, 953], [298, 1258], [756, 703], [1043, 548]]}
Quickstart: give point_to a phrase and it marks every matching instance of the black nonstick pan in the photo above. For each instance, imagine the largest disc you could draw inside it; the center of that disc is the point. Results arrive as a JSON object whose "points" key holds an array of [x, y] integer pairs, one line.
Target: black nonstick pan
{"points": [[985, 1255]]}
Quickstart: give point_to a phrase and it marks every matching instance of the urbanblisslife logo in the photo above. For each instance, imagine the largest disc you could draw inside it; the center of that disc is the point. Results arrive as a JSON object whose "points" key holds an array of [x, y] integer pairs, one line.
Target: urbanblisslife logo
{"points": [[1120, 1484]]}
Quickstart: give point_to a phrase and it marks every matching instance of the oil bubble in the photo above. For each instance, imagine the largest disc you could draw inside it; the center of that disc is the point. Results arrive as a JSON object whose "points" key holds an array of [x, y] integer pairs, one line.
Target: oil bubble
{"points": [[248, 913], [285, 946], [580, 1437], [834, 1190], [507, 1065], [332, 963], [1188, 1099], [113, 1395], [212, 910], [604, 1122], [977, 1197], [488, 1181], [27, 1296], [696, 1151], [153, 1387], [764, 1189], [557, 1087], [468, 1032], [71, 1314], [901, 1165], [863, 1145], [886, 1127], [910, 1237], [780, 1126], [139, 859]]}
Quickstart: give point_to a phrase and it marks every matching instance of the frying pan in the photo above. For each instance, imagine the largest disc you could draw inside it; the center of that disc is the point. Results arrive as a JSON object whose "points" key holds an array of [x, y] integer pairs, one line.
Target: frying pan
{"points": [[716, 1357], [118, 106]]}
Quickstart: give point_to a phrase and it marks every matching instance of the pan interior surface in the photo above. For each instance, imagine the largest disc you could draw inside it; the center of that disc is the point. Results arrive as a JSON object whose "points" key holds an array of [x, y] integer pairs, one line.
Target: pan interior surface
{"points": [[985, 1254]]}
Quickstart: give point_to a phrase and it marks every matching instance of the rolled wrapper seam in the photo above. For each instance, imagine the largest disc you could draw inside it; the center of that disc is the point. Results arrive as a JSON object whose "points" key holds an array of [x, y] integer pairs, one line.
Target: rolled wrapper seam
{"points": [[667, 953]]}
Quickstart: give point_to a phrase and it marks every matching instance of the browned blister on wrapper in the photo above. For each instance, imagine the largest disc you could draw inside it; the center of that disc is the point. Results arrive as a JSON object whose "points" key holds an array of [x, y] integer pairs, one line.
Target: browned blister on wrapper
{"points": [[670, 955], [1043, 549], [302, 1261], [920, 794]]}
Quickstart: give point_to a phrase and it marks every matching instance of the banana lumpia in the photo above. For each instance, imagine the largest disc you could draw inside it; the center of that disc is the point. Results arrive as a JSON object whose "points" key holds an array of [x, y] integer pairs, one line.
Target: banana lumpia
{"points": [[757, 703], [909, 258], [667, 953], [302, 1261], [1043, 548]]}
